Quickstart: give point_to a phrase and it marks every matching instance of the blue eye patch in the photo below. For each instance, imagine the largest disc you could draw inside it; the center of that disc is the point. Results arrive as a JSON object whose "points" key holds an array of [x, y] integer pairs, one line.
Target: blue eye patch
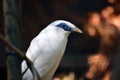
{"points": [[65, 27]]}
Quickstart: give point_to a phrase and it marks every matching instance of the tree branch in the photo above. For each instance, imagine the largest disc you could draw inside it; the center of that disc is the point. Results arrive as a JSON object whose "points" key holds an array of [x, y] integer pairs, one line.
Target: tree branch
{"points": [[22, 55]]}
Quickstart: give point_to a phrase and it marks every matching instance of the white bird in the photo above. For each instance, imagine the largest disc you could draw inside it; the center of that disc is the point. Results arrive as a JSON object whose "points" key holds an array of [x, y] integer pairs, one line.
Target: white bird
{"points": [[47, 49]]}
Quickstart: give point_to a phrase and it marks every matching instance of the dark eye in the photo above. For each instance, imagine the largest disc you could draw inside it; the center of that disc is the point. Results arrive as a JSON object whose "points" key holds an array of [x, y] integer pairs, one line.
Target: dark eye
{"points": [[63, 25]]}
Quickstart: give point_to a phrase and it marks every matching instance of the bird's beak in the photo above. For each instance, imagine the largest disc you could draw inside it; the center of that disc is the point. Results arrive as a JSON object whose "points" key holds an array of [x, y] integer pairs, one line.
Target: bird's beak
{"points": [[77, 30]]}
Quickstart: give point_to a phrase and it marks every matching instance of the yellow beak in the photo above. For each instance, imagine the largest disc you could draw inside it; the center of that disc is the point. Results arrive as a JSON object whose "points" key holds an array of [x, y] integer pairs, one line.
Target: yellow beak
{"points": [[78, 30]]}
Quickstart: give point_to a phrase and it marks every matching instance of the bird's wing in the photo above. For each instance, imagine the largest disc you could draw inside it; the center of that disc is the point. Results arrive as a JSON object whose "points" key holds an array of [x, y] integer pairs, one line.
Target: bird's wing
{"points": [[46, 51]]}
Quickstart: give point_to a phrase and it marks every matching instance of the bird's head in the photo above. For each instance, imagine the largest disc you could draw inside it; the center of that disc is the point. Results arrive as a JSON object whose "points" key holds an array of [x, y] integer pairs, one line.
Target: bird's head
{"points": [[66, 26]]}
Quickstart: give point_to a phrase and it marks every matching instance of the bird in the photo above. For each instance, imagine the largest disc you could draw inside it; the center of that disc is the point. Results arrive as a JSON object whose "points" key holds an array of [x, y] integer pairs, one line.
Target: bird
{"points": [[47, 48]]}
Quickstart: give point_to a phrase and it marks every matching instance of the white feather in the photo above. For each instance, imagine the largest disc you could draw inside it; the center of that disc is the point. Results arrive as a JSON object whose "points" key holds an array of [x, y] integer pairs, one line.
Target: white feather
{"points": [[46, 50]]}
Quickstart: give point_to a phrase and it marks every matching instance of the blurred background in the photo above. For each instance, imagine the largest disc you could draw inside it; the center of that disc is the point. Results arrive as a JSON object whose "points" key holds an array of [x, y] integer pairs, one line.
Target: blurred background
{"points": [[89, 55]]}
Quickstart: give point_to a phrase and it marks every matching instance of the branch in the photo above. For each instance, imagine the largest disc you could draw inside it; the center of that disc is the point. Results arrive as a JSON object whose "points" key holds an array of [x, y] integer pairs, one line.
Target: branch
{"points": [[22, 55]]}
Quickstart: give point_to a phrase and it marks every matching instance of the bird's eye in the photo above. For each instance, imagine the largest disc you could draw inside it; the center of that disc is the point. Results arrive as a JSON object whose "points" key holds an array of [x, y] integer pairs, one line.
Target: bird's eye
{"points": [[63, 25]]}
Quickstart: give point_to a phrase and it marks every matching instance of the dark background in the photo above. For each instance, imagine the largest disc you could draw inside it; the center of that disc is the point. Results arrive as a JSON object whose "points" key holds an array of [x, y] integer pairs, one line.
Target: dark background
{"points": [[37, 14]]}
